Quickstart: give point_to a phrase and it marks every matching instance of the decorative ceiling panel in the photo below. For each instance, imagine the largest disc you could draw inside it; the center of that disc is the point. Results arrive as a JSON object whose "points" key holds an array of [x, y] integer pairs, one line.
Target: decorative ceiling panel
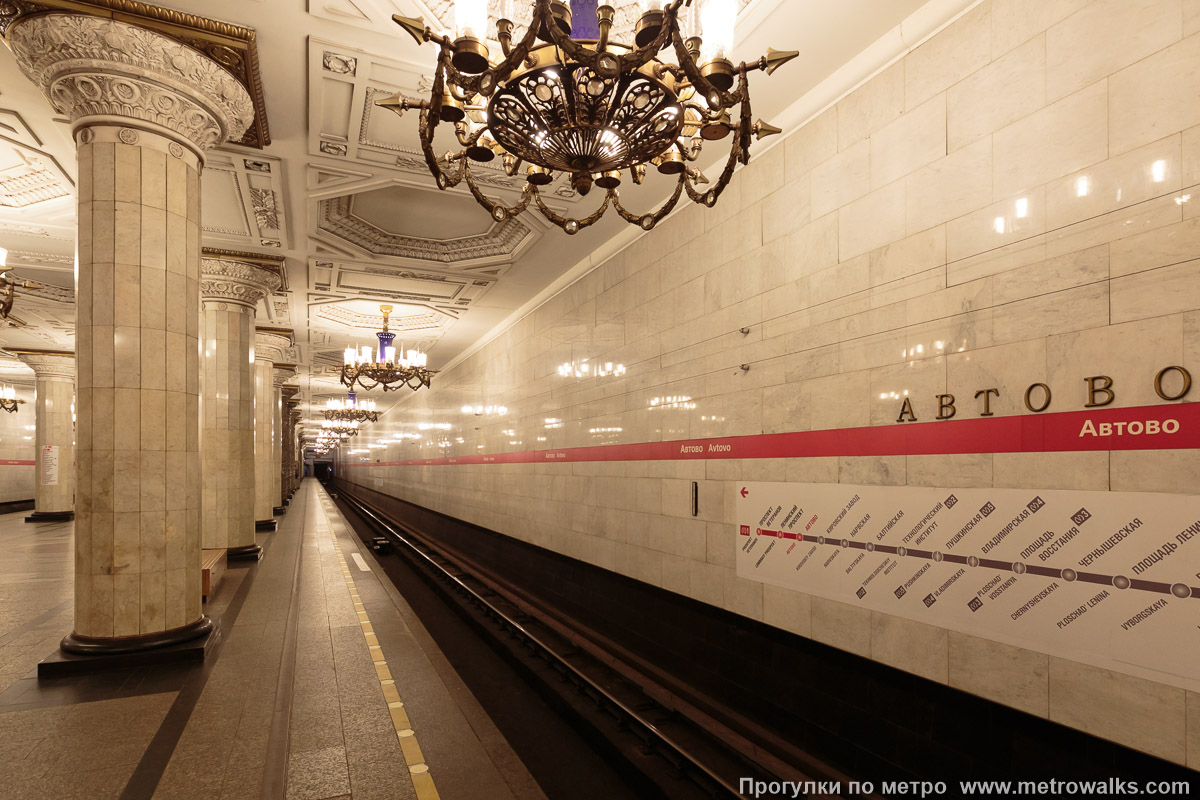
{"points": [[447, 291], [243, 201], [501, 240], [29, 175], [346, 125]]}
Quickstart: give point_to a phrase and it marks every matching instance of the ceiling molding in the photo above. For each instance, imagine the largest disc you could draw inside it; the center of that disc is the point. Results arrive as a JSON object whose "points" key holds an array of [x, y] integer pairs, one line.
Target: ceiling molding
{"points": [[29, 174], [445, 290], [501, 240], [243, 202]]}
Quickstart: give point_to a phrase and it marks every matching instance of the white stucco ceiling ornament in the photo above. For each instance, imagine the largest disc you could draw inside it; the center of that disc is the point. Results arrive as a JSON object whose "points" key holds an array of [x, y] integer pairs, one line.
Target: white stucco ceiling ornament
{"points": [[502, 239], [352, 315]]}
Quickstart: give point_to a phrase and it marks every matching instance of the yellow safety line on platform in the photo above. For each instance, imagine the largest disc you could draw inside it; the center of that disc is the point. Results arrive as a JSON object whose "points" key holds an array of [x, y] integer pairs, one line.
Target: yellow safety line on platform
{"points": [[417, 768]]}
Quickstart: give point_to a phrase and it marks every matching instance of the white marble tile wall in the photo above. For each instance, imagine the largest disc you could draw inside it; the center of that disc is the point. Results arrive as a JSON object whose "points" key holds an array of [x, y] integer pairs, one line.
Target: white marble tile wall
{"points": [[1013, 202], [17, 443]]}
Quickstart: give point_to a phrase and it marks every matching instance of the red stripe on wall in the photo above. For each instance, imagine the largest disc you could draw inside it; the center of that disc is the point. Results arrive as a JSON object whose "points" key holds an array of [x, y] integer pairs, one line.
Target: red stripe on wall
{"points": [[10, 463], [1027, 433]]}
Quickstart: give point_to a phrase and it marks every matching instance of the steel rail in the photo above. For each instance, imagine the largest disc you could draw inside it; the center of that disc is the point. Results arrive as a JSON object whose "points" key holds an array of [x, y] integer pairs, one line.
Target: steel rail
{"points": [[592, 688]]}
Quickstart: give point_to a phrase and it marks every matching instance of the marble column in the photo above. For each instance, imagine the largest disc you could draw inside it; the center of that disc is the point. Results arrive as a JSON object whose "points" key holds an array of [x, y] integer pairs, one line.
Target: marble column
{"points": [[288, 464], [144, 110], [282, 373], [269, 346], [231, 285], [54, 434], [297, 452]]}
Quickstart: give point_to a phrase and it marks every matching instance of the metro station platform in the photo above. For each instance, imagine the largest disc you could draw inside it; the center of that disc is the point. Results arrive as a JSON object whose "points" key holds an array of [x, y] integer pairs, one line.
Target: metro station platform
{"points": [[322, 684]]}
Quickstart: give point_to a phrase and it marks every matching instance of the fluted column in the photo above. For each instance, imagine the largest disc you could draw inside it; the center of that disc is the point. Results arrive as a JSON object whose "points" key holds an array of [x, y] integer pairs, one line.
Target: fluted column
{"points": [[54, 478], [282, 374], [231, 285], [269, 345], [144, 110]]}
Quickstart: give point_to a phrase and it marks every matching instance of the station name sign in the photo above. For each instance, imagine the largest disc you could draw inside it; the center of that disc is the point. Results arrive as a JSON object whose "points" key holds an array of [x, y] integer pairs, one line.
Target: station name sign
{"points": [[1170, 383]]}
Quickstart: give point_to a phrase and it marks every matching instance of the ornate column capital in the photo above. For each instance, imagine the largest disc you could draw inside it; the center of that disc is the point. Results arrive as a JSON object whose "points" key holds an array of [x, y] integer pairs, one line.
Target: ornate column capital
{"points": [[282, 374], [48, 363], [98, 70], [269, 344], [241, 278], [289, 392]]}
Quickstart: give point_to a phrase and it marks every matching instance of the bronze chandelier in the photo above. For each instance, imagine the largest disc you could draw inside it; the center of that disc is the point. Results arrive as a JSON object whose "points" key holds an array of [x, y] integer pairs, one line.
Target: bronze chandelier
{"points": [[388, 368], [590, 108], [9, 400], [342, 429], [351, 409]]}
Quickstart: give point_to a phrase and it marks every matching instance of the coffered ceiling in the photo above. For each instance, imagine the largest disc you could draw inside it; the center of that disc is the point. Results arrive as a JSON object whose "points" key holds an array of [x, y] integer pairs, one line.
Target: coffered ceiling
{"points": [[343, 193]]}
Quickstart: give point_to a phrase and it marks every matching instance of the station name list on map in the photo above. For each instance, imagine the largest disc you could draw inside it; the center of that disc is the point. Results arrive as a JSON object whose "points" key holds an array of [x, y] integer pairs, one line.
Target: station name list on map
{"points": [[1108, 578]]}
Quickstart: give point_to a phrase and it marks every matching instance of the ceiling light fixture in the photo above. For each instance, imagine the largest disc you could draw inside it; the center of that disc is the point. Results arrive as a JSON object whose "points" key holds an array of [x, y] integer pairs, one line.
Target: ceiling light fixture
{"points": [[351, 409], [8, 399], [389, 368], [589, 108], [344, 428], [8, 286]]}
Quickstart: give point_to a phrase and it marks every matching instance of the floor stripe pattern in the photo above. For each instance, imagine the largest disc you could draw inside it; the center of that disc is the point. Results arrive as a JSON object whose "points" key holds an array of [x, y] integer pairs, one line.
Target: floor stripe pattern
{"points": [[418, 770]]}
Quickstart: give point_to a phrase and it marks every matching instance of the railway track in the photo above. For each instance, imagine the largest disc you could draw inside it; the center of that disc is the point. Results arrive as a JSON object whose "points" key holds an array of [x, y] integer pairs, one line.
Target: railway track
{"points": [[661, 744]]}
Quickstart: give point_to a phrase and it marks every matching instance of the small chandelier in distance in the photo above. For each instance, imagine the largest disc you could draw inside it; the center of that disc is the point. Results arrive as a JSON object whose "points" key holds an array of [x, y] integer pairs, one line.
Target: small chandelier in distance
{"points": [[340, 428], [351, 409], [389, 368], [8, 399], [590, 108]]}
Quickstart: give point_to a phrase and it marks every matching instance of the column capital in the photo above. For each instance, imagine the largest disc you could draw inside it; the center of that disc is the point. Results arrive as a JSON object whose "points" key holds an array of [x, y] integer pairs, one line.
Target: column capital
{"points": [[289, 392], [284, 373], [100, 71], [243, 278], [269, 344], [47, 363]]}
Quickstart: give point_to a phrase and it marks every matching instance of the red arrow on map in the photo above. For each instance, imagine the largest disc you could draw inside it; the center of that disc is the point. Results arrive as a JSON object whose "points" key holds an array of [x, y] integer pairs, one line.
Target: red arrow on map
{"points": [[744, 492]]}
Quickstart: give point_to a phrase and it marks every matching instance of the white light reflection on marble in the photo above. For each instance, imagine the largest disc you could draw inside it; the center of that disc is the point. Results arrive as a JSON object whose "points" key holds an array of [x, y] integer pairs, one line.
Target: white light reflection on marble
{"points": [[674, 401], [584, 370], [481, 410]]}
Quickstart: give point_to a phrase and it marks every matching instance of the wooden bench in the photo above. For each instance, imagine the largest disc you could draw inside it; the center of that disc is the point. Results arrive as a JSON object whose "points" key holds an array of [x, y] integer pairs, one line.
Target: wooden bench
{"points": [[212, 565]]}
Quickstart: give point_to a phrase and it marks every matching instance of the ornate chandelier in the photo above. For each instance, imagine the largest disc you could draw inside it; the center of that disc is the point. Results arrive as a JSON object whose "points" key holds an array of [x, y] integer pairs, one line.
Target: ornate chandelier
{"points": [[389, 368], [8, 399], [351, 409], [589, 108], [340, 428], [9, 286]]}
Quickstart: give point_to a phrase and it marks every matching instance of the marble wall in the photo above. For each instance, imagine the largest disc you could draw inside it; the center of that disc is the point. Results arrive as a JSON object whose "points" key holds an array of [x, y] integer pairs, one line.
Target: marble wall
{"points": [[18, 450], [1015, 200]]}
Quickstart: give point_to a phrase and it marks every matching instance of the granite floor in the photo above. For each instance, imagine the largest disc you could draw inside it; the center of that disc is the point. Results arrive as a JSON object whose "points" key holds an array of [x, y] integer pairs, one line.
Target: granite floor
{"points": [[322, 685]]}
